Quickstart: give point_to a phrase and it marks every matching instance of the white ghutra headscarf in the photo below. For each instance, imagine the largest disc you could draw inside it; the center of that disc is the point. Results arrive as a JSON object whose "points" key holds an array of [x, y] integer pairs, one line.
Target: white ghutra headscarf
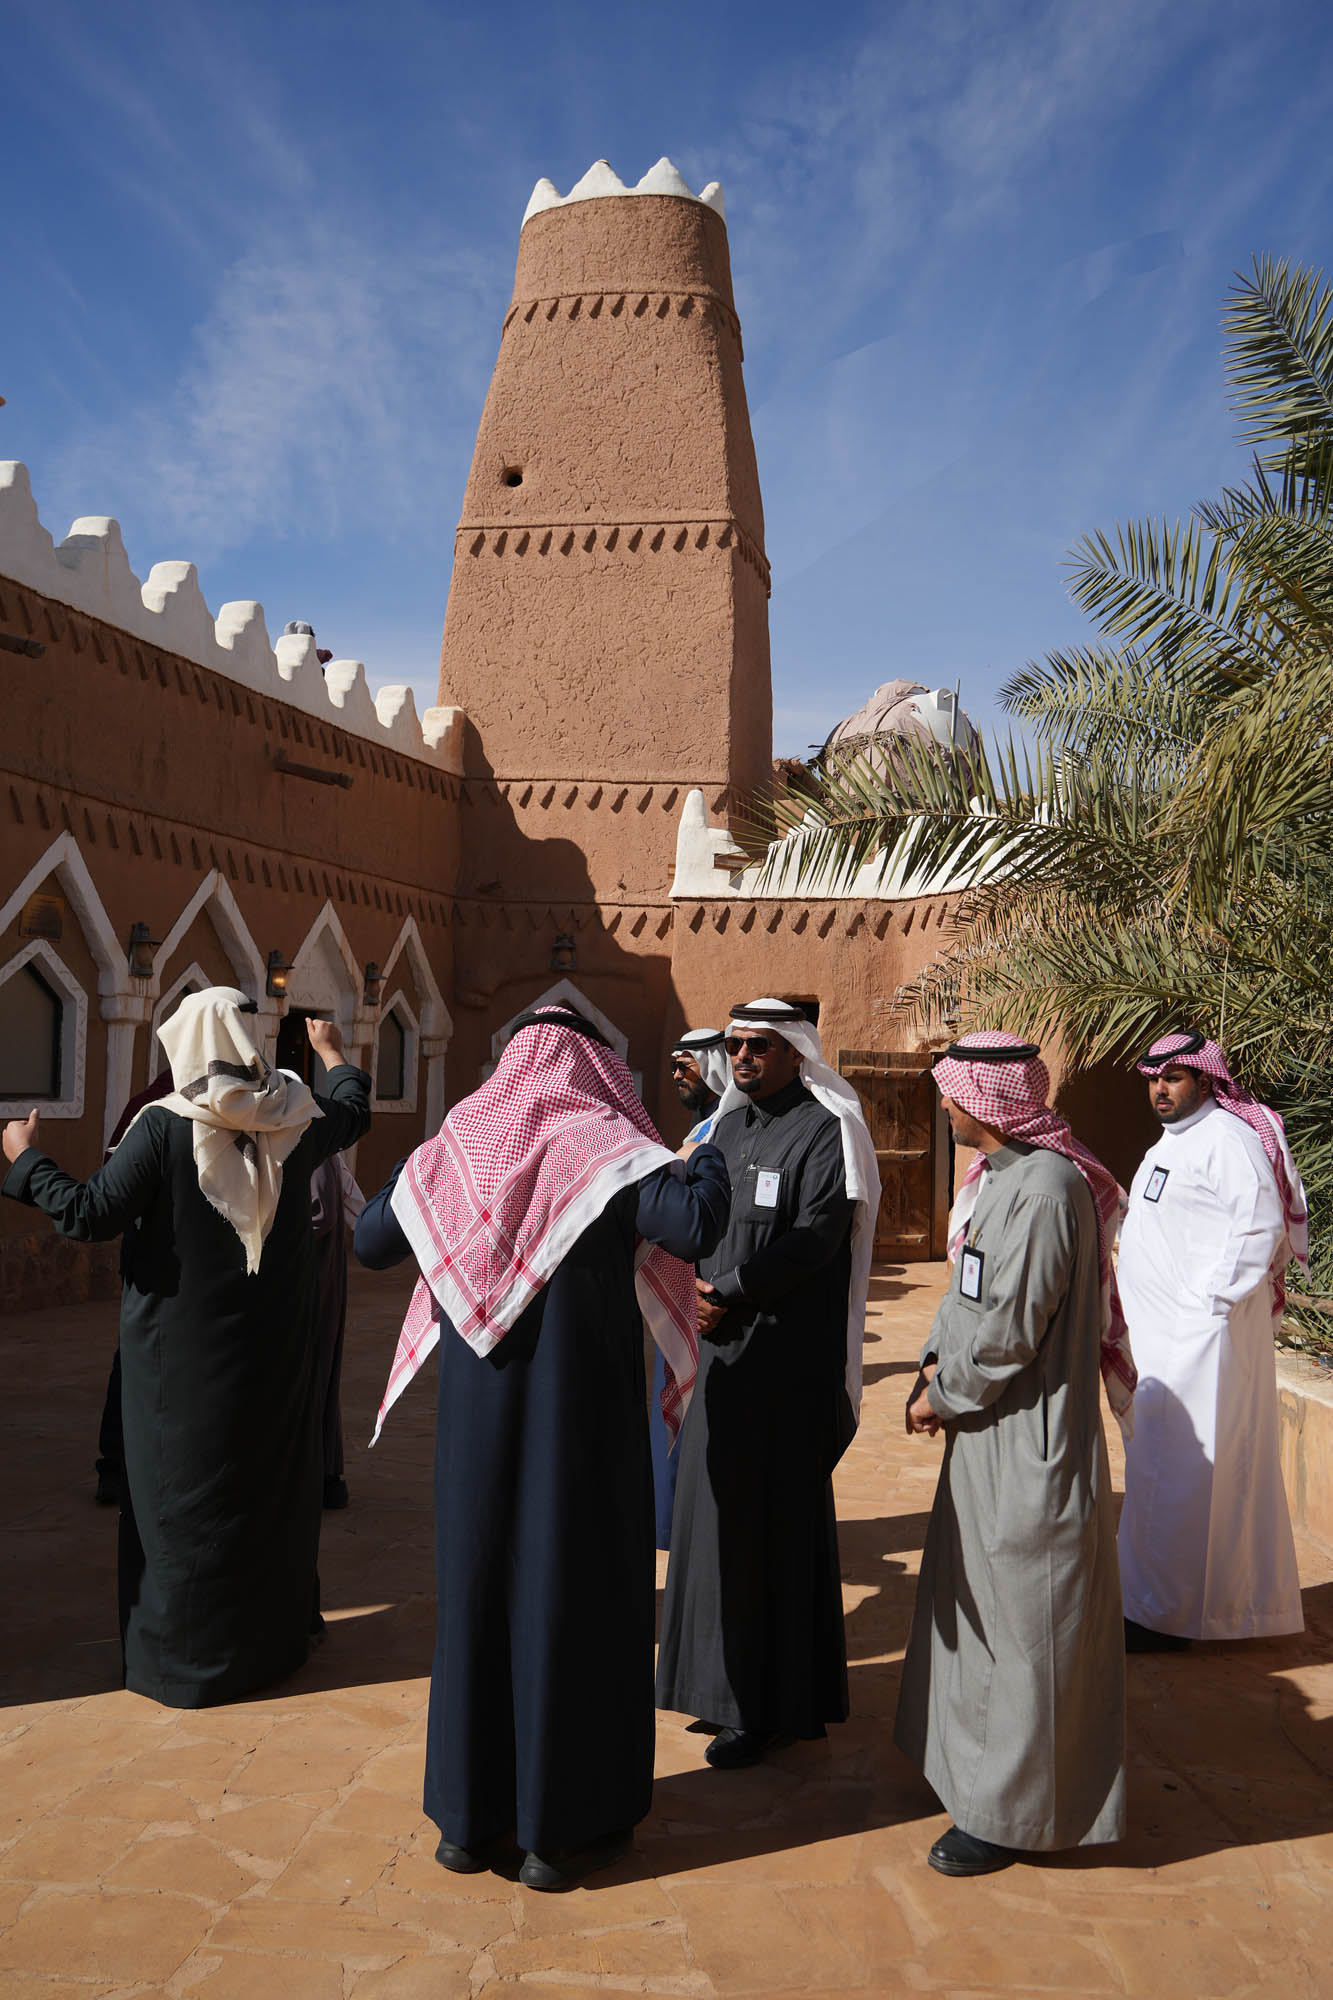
{"points": [[858, 1153], [247, 1117], [705, 1045]]}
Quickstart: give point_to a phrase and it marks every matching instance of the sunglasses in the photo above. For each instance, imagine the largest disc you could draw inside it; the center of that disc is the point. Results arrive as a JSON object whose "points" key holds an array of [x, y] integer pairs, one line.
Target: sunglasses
{"points": [[682, 1062], [758, 1045]]}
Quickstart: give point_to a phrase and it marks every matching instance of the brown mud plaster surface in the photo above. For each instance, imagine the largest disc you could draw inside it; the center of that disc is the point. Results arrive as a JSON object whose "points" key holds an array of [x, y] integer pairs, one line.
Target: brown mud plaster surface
{"points": [[278, 1848]]}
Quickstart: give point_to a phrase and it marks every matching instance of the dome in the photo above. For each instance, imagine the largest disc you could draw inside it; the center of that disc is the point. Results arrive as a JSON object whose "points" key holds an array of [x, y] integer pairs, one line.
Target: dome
{"points": [[903, 708]]}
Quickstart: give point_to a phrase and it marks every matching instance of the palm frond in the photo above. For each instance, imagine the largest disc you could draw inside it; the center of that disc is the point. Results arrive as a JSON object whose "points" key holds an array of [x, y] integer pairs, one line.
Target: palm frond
{"points": [[1279, 349], [1121, 704], [1174, 590], [1163, 851]]}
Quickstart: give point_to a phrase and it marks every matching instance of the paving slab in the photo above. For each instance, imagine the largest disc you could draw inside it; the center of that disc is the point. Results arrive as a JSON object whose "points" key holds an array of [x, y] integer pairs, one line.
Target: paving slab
{"points": [[278, 1847]]}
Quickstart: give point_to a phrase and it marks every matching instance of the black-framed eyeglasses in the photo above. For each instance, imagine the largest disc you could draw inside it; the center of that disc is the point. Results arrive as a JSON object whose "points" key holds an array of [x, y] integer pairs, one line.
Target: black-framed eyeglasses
{"points": [[758, 1045]]}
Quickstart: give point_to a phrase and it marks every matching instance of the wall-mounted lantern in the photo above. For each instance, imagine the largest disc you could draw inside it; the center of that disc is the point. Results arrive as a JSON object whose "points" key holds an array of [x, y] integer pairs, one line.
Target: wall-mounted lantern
{"points": [[564, 954], [370, 991], [142, 945], [275, 976]]}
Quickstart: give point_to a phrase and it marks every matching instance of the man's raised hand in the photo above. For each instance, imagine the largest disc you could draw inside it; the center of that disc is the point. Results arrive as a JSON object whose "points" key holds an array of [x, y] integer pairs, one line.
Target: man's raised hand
{"points": [[326, 1039], [19, 1134]]}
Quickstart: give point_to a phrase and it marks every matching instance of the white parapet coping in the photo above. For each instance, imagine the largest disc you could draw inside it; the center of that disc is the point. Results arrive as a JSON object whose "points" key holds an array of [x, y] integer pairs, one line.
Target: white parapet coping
{"points": [[90, 571], [702, 875], [602, 180]]}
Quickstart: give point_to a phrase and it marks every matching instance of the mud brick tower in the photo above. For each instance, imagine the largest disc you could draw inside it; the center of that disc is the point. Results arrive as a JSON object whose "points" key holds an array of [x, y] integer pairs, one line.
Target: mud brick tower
{"points": [[607, 624]]}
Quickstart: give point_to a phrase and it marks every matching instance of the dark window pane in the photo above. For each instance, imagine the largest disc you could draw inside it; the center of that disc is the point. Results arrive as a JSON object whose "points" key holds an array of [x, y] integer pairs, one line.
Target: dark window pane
{"points": [[294, 1051], [30, 1018], [391, 1059]]}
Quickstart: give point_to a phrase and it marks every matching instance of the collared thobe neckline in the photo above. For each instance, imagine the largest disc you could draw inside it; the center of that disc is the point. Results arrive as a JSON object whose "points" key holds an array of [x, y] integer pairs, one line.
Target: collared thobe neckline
{"points": [[1206, 1547]]}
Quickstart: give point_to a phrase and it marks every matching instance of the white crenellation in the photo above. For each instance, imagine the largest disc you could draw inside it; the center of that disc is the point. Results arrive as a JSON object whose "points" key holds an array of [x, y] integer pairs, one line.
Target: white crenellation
{"points": [[602, 180], [90, 571], [346, 683], [442, 728], [241, 631], [703, 850]]}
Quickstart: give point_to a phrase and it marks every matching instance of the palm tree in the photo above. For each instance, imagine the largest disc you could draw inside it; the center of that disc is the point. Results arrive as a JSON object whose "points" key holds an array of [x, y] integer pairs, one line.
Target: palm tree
{"points": [[1164, 850]]}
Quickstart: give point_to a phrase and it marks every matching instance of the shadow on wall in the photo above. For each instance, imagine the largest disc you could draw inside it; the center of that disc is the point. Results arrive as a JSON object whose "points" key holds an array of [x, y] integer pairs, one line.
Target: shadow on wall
{"points": [[1107, 1106], [528, 915]]}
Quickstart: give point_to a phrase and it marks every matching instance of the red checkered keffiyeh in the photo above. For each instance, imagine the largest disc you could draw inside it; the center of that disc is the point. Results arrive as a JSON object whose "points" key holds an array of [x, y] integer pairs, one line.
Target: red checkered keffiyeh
{"points": [[518, 1171], [1011, 1097], [1189, 1051]]}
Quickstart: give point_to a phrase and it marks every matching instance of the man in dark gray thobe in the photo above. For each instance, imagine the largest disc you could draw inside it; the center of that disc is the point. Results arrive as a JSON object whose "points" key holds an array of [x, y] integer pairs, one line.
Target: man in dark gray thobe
{"points": [[752, 1633], [1013, 1689]]}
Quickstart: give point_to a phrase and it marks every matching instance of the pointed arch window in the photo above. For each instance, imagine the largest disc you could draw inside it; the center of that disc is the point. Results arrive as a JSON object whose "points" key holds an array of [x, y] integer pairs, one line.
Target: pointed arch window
{"points": [[31, 1017], [397, 1055], [43, 1035], [391, 1058]]}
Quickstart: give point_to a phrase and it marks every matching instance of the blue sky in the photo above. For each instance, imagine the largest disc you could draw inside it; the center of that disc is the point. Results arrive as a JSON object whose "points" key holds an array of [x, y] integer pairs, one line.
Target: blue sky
{"points": [[258, 258]]}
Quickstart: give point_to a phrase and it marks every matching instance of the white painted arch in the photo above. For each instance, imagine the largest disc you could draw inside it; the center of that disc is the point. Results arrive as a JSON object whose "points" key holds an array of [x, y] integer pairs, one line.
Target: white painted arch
{"points": [[326, 976], [193, 980], [73, 1033], [214, 897], [64, 860], [436, 1021], [399, 1006], [564, 994]]}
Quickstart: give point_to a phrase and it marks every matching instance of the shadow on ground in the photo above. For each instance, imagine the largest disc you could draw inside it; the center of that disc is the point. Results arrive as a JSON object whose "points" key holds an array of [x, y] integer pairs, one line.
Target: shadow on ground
{"points": [[1227, 1750]]}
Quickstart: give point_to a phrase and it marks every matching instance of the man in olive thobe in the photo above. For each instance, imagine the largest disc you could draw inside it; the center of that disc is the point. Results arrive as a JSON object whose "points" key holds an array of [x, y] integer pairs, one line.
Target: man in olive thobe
{"points": [[1012, 1696]]}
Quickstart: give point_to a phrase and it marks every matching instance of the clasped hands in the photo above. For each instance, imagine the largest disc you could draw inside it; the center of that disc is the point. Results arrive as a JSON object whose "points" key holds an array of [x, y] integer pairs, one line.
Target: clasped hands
{"points": [[922, 1419], [712, 1312]]}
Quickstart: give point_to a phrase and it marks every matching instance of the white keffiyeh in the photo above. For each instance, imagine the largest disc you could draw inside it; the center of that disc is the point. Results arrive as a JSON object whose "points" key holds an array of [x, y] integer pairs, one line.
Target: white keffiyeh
{"points": [[247, 1117]]}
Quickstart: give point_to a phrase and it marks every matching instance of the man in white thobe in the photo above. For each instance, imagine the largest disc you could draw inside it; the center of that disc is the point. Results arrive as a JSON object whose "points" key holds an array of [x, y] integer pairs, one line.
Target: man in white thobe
{"points": [[1216, 1212]]}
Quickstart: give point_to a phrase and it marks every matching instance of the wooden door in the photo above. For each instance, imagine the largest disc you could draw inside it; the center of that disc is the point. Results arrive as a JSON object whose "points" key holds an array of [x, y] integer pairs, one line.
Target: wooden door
{"points": [[911, 1136]]}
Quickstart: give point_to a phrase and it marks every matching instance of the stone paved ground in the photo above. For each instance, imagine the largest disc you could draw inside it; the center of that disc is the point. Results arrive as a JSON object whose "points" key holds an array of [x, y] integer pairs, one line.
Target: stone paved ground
{"points": [[278, 1848]]}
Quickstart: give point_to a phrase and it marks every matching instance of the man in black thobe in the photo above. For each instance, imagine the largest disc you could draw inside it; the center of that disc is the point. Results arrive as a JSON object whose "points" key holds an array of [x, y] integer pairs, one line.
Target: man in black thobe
{"points": [[220, 1511], [752, 1632], [110, 1432], [335, 1203], [699, 1071], [541, 1714]]}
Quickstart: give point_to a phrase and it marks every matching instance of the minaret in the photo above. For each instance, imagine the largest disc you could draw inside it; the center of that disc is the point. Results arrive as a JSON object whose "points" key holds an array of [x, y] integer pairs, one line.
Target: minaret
{"points": [[607, 624]]}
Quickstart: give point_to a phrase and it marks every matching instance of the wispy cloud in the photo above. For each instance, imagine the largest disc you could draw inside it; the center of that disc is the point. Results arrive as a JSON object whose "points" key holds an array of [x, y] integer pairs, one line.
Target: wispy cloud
{"points": [[328, 376], [979, 253], [929, 126], [339, 349]]}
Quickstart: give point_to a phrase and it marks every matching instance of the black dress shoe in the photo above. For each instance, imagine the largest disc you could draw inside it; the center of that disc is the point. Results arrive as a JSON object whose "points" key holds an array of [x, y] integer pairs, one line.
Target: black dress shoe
{"points": [[1142, 1639], [459, 1860], [959, 1853], [562, 1871], [734, 1749], [335, 1493]]}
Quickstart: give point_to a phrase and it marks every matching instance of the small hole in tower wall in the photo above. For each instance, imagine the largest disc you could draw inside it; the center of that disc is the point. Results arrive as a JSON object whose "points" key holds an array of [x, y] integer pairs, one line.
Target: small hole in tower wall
{"points": [[512, 476]]}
